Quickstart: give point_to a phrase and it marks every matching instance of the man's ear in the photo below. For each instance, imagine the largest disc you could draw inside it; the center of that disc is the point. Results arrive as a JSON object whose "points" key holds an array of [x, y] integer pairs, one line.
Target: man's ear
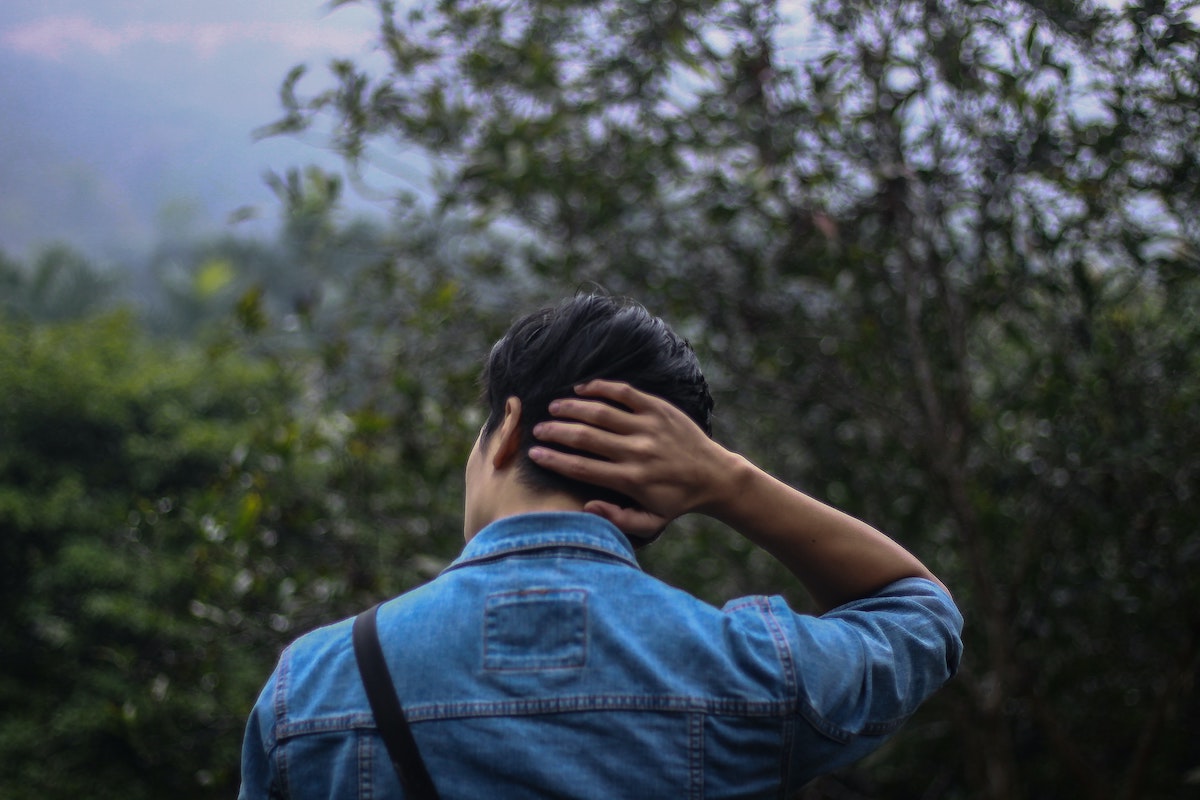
{"points": [[508, 435]]}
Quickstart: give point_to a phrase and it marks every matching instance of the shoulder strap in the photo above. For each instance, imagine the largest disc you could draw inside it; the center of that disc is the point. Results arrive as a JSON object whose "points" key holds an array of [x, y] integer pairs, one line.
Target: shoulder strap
{"points": [[385, 705]]}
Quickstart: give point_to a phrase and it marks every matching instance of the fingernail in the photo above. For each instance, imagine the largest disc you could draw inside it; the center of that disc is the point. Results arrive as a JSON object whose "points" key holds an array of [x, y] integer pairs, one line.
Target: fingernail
{"points": [[555, 405]]}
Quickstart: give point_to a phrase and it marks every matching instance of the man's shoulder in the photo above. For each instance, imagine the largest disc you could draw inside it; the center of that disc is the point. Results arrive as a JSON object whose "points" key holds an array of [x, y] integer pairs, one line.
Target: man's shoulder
{"points": [[317, 650], [330, 647], [322, 637], [317, 678]]}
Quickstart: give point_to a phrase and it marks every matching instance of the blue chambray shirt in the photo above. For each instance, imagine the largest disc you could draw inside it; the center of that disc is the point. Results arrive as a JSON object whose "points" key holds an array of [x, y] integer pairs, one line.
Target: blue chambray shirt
{"points": [[543, 663]]}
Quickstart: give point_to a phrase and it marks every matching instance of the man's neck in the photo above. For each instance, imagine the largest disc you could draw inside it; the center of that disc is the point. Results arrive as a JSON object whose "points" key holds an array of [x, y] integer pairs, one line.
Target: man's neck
{"points": [[516, 498]]}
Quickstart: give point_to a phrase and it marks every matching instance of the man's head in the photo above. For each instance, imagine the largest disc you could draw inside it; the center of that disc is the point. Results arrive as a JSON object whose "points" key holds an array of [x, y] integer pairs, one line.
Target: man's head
{"points": [[547, 353]]}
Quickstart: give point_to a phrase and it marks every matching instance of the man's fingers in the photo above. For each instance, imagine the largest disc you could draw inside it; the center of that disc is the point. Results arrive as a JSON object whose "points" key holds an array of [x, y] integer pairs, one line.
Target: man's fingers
{"points": [[580, 436], [593, 412], [580, 468], [618, 392]]}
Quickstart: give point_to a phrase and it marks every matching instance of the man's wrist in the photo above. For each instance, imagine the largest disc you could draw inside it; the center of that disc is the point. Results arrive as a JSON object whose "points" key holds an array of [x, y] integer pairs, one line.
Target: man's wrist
{"points": [[735, 476]]}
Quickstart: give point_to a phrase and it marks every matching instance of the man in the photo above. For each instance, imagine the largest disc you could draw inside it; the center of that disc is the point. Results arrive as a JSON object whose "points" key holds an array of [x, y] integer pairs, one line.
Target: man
{"points": [[543, 663]]}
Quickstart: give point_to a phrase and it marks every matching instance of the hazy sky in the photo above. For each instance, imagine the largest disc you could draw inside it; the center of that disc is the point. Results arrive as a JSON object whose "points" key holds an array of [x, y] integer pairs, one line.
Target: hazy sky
{"points": [[125, 121], [113, 110], [65, 29]]}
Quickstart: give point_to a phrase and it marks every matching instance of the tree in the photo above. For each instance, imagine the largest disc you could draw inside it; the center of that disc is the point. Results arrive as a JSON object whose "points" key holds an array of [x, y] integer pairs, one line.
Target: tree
{"points": [[172, 515], [60, 284], [175, 509], [950, 259], [111, 451]]}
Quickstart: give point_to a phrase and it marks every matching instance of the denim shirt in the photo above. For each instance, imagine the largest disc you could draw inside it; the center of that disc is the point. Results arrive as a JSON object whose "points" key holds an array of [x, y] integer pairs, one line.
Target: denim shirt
{"points": [[543, 663]]}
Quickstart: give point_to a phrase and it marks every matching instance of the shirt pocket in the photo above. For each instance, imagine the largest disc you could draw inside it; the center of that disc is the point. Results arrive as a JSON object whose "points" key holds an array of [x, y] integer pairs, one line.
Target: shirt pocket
{"points": [[535, 629]]}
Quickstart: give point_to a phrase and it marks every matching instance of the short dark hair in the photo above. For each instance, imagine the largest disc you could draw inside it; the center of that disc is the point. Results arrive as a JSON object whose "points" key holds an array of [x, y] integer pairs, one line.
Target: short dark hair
{"points": [[544, 355]]}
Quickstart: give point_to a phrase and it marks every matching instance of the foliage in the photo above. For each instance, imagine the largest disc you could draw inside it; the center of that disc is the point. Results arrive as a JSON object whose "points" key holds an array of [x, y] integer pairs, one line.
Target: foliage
{"points": [[59, 284], [949, 261], [172, 516], [941, 261], [174, 513], [111, 450]]}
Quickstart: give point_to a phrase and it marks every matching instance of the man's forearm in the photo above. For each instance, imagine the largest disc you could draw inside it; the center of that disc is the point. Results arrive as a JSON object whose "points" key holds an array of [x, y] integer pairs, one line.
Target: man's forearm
{"points": [[838, 558], [652, 452]]}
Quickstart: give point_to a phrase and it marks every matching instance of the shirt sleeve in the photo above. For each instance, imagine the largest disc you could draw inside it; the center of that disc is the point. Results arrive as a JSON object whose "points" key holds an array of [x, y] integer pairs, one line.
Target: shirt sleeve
{"points": [[863, 668], [259, 781]]}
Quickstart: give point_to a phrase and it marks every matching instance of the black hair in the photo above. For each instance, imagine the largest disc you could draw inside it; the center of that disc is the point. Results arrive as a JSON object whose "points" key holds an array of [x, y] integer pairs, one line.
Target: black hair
{"points": [[544, 355]]}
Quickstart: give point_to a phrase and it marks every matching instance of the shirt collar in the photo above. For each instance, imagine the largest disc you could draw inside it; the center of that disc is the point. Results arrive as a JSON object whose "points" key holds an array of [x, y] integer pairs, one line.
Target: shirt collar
{"points": [[542, 530]]}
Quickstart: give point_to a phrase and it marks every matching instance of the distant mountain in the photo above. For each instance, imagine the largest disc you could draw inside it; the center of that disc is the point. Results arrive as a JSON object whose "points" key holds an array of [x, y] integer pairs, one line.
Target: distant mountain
{"points": [[57, 179], [109, 158]]}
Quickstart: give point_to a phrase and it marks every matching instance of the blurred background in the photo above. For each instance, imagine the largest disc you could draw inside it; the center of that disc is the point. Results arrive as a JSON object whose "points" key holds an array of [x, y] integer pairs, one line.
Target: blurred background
{"points": [[941, 260]]}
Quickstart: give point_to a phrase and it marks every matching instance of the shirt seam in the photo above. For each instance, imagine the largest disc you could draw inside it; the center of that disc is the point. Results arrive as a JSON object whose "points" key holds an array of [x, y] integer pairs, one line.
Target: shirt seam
{"points": [[430, 712], [279, 706], [583, 552], [696, 731]]}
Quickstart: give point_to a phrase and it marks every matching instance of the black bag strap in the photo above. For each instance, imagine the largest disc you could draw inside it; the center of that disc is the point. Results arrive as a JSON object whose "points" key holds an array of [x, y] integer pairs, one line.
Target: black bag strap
{"points": [[385, 705]]}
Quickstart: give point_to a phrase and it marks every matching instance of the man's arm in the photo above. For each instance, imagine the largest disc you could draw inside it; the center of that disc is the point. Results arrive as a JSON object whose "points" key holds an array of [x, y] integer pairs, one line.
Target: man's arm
{"points": [[655, 454], [258, 773]]}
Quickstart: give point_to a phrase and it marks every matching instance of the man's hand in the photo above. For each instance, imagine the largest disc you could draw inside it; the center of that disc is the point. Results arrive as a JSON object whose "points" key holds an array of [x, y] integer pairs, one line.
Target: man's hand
{"points": [[652, 452], [655, 454]]}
